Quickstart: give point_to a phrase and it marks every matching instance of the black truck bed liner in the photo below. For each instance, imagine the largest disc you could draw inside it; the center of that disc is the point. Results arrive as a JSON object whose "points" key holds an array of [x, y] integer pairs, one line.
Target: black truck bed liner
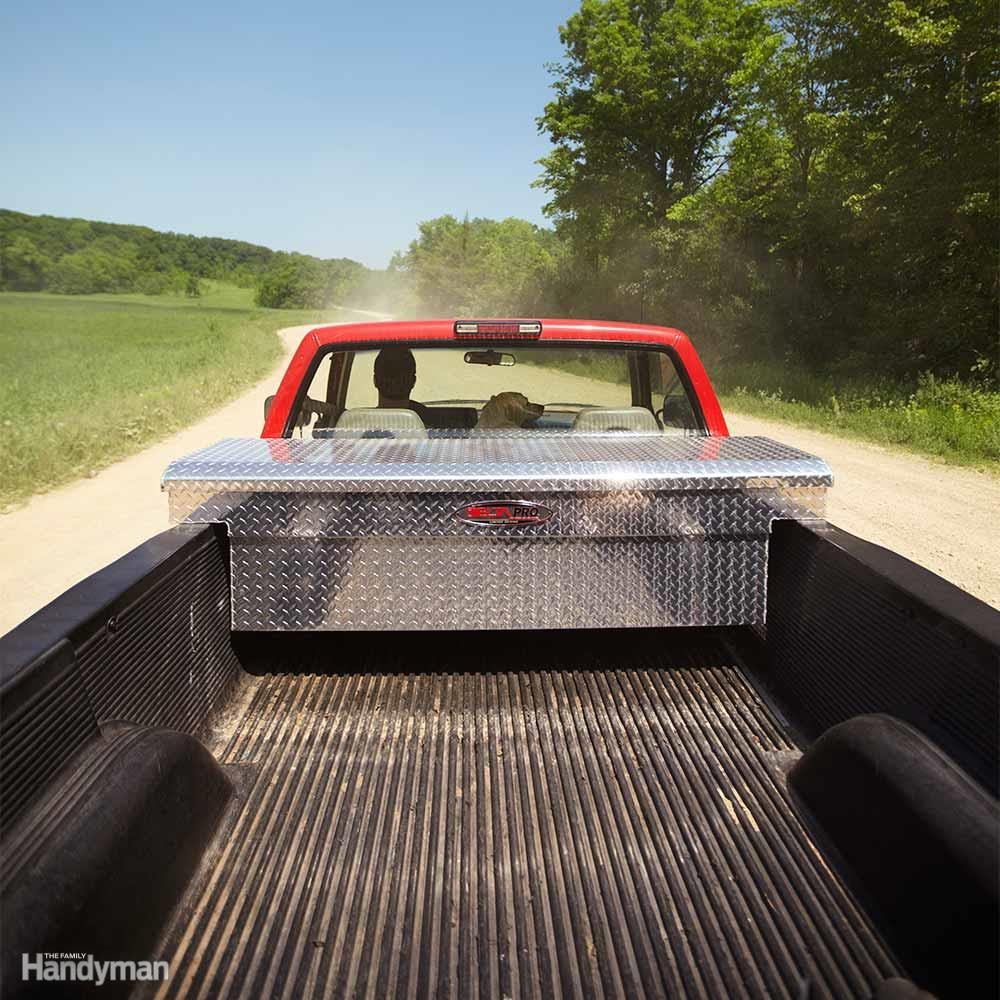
{"points": [[616, 824]]}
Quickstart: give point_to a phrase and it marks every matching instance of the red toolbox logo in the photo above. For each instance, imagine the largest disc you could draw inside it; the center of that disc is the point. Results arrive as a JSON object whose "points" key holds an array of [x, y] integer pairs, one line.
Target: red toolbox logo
{"points": [[509, 512]]}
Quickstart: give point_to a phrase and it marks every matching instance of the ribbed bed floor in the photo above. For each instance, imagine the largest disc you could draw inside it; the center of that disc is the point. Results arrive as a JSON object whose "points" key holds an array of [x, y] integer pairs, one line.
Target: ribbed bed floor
{"points": [[598, 828]]}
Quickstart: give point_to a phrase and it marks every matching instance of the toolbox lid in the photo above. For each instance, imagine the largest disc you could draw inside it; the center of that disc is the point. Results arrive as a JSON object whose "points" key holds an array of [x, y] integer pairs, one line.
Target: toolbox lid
{"points": [[495, 462]]}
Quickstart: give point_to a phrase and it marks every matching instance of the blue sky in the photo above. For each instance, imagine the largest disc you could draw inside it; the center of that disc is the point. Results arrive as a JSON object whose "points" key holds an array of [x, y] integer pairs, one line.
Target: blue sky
{"points": [[329, 128]]}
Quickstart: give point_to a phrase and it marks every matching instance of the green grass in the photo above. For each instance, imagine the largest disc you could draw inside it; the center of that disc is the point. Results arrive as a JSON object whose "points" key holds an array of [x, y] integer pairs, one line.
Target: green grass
{"points": [[953, 421], [215, 295], [88, 380]]}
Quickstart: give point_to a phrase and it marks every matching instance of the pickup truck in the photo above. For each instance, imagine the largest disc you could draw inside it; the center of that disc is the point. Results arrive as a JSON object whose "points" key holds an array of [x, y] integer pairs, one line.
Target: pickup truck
{"points": [[496, 668]]}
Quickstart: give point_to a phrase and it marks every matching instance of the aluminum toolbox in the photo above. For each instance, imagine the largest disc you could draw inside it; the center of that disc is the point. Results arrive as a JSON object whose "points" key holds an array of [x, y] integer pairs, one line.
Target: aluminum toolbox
{"points": [[371, 533]]}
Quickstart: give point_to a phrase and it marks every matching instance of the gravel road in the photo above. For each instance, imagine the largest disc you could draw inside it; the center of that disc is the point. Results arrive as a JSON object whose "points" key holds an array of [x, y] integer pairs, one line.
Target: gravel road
{"points": [[944, 518]]}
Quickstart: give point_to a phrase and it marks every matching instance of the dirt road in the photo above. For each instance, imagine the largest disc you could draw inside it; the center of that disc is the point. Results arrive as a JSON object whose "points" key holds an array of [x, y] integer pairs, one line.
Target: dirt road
{"points": [[943, 518], [940, 516]]}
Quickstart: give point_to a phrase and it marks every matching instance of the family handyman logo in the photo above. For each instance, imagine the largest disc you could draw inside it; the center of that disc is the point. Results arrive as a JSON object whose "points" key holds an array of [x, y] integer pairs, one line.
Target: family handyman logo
{"points": [[77, 967]]}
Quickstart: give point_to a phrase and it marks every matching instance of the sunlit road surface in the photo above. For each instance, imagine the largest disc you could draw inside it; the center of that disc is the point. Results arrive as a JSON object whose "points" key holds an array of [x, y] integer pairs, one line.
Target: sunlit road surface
{"points": [[941, 517]]}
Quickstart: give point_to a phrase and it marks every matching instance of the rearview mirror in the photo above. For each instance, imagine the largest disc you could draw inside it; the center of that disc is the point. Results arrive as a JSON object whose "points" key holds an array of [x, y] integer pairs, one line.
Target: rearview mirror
{"points": [[267, 406], [489, 358]]}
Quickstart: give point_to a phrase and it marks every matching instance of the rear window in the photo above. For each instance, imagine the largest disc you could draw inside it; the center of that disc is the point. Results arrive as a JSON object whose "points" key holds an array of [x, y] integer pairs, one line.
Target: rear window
{"points": [[526, 387]]}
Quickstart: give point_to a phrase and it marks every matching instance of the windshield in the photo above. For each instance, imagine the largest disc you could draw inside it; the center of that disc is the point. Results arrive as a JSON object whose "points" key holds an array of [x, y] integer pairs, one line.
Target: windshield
{"points": [[486, 388]]}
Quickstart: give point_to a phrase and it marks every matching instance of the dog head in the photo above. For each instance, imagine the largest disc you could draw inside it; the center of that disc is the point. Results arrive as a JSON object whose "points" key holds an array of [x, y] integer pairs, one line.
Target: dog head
{"points": [[508, 410]]}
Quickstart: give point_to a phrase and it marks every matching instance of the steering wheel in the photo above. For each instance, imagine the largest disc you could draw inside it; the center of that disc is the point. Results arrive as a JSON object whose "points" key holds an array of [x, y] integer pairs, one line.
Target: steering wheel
{"points": [[680, 412]]}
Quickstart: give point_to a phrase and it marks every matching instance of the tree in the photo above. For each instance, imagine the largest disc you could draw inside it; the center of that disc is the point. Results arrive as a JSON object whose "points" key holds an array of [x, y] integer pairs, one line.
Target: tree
{"points": [[118, 257], [283, 287], [300, 282], [478, 266], [23, 267], [92, 270], [917, 84], [805, 181], [643, 104]]}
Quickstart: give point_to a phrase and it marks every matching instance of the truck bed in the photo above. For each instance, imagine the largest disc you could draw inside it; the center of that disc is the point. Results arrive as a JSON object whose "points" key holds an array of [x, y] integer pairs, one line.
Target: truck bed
{"points": [[615, 823], [506, 814]]}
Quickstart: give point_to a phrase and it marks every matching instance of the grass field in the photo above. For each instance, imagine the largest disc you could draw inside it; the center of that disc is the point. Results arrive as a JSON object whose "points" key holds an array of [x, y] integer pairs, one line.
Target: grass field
{"points": [[87, 380], [953, 421]]}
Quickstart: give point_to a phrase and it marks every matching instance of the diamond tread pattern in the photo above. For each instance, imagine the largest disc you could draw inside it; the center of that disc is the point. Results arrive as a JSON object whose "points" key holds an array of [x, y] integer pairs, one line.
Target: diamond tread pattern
{"points": [[545, 463]]}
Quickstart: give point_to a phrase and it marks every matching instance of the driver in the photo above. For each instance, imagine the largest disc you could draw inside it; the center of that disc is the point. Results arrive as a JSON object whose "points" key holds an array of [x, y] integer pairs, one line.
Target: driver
{"points": [[395, 377]]}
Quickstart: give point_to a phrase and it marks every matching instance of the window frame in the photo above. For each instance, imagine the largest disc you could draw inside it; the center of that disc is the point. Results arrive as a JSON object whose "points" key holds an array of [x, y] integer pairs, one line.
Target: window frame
{"points": [[339, 375]]}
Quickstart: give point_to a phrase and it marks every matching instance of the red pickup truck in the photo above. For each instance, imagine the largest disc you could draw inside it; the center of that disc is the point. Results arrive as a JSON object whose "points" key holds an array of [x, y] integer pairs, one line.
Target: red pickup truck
{"points": [[496, 668]]}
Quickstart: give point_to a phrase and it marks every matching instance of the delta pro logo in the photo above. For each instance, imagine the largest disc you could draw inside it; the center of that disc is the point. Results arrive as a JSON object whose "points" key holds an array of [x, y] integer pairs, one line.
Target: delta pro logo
{"points": [[513, 512]]}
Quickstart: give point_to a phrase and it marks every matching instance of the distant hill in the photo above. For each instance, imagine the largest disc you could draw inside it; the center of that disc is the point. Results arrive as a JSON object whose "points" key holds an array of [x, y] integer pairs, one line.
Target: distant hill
{"points": [[80, 256]]}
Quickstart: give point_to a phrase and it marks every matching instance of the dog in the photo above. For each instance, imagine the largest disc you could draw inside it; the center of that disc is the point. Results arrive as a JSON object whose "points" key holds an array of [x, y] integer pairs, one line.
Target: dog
{"points": [[508, 410]]}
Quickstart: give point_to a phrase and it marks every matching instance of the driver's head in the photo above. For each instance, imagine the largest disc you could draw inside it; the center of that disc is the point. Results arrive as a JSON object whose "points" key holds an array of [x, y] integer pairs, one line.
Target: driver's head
{"points": [[395, 372]]}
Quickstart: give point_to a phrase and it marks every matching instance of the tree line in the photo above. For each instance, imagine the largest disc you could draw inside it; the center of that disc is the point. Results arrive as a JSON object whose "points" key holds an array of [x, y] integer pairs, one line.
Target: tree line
{"points": [[806, 182], [80, 257], [797, 183]]}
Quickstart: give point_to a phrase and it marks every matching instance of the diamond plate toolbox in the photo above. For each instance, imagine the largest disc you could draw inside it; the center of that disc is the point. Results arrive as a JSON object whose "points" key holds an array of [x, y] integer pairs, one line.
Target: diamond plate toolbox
{"points": [[370, 534]]}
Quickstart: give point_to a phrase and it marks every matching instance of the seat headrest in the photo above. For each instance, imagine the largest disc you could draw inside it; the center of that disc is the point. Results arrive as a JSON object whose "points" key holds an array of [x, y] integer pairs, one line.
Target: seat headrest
{"points": [[372, 418], [624, 418]]}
